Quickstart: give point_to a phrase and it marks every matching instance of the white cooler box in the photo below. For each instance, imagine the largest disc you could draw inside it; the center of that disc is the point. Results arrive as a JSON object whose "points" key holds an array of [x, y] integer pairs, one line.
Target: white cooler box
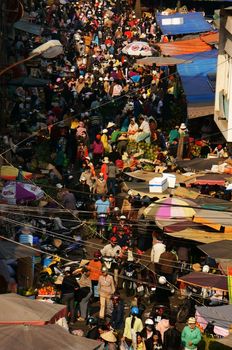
{"points": [[171, 179], [158, 184]]}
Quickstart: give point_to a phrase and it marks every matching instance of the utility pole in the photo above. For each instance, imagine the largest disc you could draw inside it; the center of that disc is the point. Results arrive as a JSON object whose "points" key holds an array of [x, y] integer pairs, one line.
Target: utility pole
{"points": [[3, 63]]}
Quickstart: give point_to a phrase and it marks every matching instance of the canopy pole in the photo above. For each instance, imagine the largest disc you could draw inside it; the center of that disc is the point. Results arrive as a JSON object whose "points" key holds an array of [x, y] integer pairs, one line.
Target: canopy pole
{"points": [[18, 63]]}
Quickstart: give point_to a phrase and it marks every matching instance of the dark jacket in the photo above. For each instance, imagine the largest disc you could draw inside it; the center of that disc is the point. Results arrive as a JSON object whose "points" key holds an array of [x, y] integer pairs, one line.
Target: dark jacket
{"points": [[117, 316], [69, 285], [172, 339], [149, 342]]}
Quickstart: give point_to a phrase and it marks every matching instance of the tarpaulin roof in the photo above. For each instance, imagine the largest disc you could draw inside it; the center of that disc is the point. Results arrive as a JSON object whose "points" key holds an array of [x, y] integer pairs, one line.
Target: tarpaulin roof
{"points": [[181, 226], [212, 179], [220, 315], [198, 163], [221, 249], [194, 76], [197, 235], [210, 38], [160, 61], [227, 341], [184, 47], [52, 337], [182, 23], [214, 218], [16, 309], [205, 280]]}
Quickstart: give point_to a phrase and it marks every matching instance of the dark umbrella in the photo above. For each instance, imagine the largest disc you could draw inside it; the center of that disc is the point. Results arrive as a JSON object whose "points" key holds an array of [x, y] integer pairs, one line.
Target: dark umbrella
{"points": [[16, 309], [218, 250], [52, 337], [28, 82]]}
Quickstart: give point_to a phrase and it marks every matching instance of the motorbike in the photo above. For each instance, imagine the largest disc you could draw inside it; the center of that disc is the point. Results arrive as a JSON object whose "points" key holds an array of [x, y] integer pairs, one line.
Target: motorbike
{"points": [[51, 269], [70, 250], [108, 261], [101, 224], [158, 311], [130, 274], [209, 330], [187, 308], [75, 251], [148, 284]]}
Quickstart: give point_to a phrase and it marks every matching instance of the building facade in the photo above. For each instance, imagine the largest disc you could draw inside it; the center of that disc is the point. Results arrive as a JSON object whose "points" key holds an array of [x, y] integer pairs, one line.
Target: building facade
{"points": [[223, 94]]}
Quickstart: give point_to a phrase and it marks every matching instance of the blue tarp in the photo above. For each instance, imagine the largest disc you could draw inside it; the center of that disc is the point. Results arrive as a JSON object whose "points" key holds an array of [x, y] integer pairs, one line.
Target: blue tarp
{"points": [[178, 23], [194, 77]]}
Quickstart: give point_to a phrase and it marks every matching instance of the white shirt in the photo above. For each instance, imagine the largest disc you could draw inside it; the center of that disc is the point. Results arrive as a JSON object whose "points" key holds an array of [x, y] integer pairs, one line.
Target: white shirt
{"points": [[110, 251], [133, 127], [157, 249], [160, 105], [117, 89], [145, 127]]}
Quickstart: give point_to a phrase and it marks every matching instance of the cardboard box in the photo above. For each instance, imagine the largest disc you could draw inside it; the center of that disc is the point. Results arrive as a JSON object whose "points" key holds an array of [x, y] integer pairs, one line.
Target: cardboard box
{"points": [[171, 179], [158, 184]]}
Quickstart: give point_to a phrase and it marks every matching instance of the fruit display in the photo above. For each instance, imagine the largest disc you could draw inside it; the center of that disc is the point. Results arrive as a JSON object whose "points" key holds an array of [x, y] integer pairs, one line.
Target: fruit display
{"points": [[46, 290], [149, 167], [147, 150], [28, 292]]}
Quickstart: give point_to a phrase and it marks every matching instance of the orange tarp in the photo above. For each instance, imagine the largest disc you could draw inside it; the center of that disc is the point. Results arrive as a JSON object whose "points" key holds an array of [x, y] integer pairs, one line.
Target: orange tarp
{"points": [[184, 47], [210, 38]]}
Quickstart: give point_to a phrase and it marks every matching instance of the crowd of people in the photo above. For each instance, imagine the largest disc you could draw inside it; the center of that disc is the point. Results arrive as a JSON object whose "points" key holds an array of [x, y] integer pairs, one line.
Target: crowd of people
{"points": [[101, 113], [98, 101], [112, 327]]}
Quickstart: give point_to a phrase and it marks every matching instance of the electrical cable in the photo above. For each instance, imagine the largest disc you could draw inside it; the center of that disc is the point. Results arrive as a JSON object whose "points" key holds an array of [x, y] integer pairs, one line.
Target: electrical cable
{"points": [[98, 246], [123, 277]]}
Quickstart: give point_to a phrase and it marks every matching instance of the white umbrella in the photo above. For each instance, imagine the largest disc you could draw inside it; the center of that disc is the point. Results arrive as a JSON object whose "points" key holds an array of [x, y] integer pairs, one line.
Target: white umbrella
{"points": [[138, 48], [50, 49]]}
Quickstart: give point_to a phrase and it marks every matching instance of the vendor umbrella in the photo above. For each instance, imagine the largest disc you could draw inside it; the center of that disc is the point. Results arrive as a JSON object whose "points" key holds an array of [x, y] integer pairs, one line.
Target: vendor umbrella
{"points": [[170, 210], [16, 309], [161, 61], [138, 48], [218, 250], [14, 192], [51, 337]]}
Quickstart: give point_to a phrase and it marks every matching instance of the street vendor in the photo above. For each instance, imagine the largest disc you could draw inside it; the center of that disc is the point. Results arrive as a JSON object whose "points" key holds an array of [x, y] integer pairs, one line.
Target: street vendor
{"points": [[132, 129]]}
